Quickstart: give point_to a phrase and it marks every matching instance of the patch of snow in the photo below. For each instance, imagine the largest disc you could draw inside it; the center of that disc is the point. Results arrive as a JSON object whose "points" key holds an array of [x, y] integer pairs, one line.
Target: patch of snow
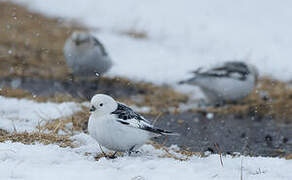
{"points": [[25, 115], [47, 162], [210, 116]]}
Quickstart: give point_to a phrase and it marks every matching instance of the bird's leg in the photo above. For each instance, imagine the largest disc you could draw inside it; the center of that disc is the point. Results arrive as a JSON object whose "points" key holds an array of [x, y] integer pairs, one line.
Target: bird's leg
{"points": [[131, 150], [108, 156], [113, 156], [104, 154]]}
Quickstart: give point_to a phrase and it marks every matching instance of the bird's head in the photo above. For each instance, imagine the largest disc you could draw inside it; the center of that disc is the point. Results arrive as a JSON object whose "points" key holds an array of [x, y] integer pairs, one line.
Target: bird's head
{"points": [[80, 38], [102, 104]]}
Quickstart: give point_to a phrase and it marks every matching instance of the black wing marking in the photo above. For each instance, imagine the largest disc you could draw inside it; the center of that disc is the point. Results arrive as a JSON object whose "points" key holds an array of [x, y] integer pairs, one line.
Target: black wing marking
{"points": [[236, 70], [98, 43], [127, 116], [125, 113]]}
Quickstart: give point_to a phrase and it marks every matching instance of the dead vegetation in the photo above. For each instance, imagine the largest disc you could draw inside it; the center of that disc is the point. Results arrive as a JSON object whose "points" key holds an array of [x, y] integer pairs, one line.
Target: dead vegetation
{"points": [[20, 93], [77, 122], [31, 44], [181, 155], [32, 138], [136, 34]]}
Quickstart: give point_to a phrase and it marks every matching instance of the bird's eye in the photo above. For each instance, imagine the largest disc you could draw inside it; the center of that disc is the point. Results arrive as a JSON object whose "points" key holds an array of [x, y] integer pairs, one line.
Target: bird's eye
{"points": [[101, 104]]}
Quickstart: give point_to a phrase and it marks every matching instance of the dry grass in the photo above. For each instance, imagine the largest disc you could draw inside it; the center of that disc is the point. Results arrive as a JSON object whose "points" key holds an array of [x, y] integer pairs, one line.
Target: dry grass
{"points": [[32, 138], [288, 157], [136, 34], [168, 154], [31, 44], [20, 93], [277, 104], [3, 132], [78, 120]]}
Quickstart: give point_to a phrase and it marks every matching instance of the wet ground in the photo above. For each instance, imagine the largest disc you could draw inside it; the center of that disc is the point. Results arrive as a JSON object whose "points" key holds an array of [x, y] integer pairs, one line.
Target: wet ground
{"points": [[79, 89], [198, 131], [256, 137]]}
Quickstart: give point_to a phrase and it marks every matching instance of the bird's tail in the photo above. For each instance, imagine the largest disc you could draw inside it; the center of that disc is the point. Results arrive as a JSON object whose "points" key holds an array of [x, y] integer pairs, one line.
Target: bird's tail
{"points": [[167, 133], [159, 132], [188, 81], [192, 80]]}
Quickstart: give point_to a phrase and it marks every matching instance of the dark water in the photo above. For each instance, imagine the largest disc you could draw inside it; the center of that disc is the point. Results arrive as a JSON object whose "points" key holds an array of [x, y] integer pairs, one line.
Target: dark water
{"points": [[247, 135]]}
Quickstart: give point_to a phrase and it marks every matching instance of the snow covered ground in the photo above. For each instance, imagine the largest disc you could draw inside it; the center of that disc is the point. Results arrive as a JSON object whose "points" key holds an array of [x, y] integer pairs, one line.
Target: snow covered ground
{"points": [[184, 34], [47, 162], [29, 162], [25, 115]]}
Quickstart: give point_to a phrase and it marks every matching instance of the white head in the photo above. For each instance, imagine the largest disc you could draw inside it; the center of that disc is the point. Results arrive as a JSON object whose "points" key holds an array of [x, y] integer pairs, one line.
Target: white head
{"points": [[102, 104], [81, 38]]}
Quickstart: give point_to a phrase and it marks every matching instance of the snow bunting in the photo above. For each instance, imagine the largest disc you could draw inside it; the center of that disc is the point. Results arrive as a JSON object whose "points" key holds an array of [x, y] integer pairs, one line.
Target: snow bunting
{"points": [[230, 81], [117, 127], [86, 55]]}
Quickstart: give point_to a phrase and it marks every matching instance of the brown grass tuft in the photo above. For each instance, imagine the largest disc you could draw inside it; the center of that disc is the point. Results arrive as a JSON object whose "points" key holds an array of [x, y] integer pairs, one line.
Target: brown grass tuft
{"points": [[31, 44], [288, 157], [32, 138], [79, 123], [3, 132], [168, 154], [136, 34], [21, 93]]}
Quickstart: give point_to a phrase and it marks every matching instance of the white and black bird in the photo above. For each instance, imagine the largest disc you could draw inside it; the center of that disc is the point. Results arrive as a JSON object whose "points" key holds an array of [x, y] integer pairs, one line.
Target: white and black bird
{"points": [[227, 82], [86, 55], [117, 127]]}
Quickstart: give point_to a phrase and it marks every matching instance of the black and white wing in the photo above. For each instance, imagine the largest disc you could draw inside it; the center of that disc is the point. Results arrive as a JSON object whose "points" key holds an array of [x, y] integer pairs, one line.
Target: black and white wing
{"points": [[233, 69], [98, 44], [126, 116]]}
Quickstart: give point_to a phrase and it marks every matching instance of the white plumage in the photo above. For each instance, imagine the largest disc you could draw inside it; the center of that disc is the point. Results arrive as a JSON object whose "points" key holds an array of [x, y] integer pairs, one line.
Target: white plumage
{"points": [[86, 55], [117, 127], [230, 81]]}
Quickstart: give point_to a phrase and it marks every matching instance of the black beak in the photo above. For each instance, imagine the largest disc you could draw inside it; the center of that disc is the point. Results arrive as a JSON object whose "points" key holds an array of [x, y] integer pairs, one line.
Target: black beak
{"points": [[92, 109]]}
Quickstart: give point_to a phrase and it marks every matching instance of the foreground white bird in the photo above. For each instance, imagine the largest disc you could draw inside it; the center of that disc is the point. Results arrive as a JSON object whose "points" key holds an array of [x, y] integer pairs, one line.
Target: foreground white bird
{"points": [[230, 81], [117, 127], [86, 55]]}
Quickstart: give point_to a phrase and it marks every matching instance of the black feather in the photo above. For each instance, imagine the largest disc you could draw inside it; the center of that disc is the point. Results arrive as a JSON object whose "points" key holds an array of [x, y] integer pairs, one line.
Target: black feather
{"points": [[155, 130], [123, 122], [228, 69], [125, 113]]}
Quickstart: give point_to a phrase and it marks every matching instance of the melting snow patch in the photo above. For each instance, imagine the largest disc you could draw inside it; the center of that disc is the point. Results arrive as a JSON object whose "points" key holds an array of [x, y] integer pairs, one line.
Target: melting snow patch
{"points": [[25, 115]]}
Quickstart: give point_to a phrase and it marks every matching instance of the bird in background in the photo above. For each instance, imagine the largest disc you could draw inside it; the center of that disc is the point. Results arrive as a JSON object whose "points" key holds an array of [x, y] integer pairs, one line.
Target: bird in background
{"points": [[230, 81], [117, 127], [86, 56]]}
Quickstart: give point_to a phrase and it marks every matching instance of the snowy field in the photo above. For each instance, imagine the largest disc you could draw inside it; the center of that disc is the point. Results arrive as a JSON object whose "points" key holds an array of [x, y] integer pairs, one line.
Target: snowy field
{"points": [[185, 34], [47, 162], [34, 162]]}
